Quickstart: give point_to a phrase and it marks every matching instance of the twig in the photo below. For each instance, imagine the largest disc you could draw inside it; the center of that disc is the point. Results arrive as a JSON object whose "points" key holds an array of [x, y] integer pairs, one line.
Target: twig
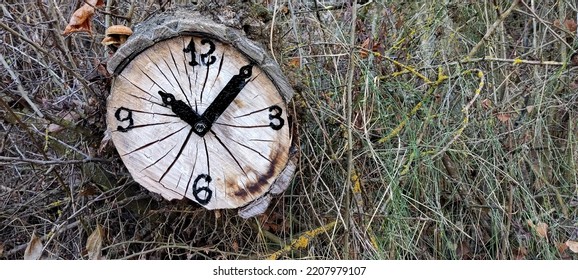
{"points": [[514, 61], [302, 241], [547, 25], [271, 32], [107, 16], [43, 238], [47, 54], [492, 28], [348, 124], [51, 162], [130, 12], [19, 86], [401, 125], [561, 16], [25, 127], [267, 234], [465, 110]]}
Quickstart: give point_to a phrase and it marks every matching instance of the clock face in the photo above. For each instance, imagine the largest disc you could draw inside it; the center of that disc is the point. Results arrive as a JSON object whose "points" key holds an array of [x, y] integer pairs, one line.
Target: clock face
{"points": [[193, 117]]}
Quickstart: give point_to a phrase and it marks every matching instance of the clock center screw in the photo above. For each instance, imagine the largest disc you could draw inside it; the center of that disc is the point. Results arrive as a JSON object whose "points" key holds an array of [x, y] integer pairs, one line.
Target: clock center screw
{"points": [[200, 127]]}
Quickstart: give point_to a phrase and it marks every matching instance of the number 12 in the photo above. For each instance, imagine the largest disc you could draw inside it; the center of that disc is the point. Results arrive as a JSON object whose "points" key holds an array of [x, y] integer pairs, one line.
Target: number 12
{"points": [[191, 48]]}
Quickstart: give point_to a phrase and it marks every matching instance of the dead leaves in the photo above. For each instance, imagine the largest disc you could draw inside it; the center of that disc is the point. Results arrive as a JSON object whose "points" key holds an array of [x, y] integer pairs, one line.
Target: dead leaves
{"points": [[81, 19], [503, 117], [34, 248], [274, 222], [520, 253], [572, 245], [94, 244], [568, 25], [569, 244], [486, 104], [69, 117], [541, 228], [294, 62], [369, 46]]}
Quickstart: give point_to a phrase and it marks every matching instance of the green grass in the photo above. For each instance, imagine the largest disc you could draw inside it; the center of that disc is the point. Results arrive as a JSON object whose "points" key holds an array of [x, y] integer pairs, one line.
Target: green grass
{"points": [[435, 181]]}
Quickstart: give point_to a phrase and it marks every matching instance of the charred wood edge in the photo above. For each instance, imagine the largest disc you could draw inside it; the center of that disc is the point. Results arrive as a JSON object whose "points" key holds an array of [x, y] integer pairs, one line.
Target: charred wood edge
{"points": [[282, 182], [187, 22]]}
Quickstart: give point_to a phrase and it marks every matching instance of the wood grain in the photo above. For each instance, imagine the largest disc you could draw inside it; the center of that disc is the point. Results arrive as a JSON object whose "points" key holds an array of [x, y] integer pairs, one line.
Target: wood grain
{"points": [[242, 154]]}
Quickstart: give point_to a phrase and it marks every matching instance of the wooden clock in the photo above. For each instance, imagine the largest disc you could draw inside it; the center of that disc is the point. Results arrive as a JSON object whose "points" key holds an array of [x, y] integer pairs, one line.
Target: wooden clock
{"points": [[199, 111]]}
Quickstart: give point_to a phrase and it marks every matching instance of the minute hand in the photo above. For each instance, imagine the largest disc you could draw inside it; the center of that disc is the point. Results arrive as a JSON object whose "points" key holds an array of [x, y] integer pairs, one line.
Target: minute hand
{"points": [[225, 97]]}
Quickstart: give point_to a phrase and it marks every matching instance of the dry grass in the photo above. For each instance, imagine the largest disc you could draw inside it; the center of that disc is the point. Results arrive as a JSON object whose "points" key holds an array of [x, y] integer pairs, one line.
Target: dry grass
{"points": [[462, 141]]}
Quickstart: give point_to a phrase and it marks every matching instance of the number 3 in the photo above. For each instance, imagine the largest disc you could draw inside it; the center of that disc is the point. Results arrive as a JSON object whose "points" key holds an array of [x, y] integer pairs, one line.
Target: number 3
{"points": [[276, 116]]}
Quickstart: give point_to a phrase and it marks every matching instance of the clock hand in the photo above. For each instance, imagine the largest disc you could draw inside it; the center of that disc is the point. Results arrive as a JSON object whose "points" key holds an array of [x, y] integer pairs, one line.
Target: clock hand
{"points": [[182, 110], [223, 99]]}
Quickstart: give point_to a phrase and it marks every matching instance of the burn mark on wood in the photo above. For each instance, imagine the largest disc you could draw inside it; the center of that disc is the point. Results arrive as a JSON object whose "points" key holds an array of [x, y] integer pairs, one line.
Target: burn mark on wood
{"points": [[277, 161]]}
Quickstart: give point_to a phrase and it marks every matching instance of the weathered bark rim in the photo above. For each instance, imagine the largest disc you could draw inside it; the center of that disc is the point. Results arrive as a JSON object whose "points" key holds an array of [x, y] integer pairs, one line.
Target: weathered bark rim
{"points": [[187, 22]]}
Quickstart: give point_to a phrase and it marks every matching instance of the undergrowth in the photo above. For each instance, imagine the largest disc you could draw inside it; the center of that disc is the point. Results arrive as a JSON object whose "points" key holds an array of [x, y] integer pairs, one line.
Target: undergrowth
{"points": [[461, 143]]}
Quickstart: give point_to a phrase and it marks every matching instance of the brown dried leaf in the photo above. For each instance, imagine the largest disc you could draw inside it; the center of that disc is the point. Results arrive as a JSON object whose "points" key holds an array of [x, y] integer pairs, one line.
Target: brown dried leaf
{"points": [[570, 25], [487, 103], [503, 117], [101, 68], [34, 248], [521, 253], [561, 247], [68, 117], [96, 3], [557, 23], [572, 245], [81, 19], [294, 62], [364, 46], [88, 190], [94, 244], [104, 142], [542, 229]]}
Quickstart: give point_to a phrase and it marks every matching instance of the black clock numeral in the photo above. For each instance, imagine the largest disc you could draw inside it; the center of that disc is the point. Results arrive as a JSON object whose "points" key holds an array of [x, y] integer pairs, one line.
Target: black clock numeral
{"points": [[197, 190], [191, 48], [212, 58], [123, 114], [276, 121]]}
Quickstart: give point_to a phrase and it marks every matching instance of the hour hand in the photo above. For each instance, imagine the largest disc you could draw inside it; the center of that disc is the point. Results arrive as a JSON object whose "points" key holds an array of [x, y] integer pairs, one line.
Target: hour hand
{"points": [[180, 108], [224, 99]]}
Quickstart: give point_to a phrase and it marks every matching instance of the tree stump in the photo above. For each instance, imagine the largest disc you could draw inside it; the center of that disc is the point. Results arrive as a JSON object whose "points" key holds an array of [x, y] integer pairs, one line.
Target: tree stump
{"points": [[197, 110]]}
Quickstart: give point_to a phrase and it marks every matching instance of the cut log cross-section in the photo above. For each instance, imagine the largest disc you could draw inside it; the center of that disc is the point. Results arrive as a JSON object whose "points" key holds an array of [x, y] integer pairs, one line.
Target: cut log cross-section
{"points": [[199, 111]]}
